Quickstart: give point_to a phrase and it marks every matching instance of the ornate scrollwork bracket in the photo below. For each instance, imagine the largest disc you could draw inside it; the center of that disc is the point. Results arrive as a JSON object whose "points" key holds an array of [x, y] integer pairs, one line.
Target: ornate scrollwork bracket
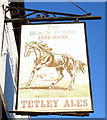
{"points": [[42, 15]]}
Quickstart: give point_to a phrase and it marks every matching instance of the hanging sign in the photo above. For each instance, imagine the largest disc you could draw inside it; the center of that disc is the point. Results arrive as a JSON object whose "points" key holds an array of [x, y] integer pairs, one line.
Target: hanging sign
{"points": [[54, 72]]}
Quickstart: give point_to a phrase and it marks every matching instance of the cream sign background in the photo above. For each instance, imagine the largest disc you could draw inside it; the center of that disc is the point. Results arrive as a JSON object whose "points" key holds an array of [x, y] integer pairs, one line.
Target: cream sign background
{"points": [[64, 39]]}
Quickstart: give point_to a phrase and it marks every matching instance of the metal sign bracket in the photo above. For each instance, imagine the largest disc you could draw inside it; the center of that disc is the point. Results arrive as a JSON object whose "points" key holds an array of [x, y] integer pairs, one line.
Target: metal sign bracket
{"points": [[42, 15]]}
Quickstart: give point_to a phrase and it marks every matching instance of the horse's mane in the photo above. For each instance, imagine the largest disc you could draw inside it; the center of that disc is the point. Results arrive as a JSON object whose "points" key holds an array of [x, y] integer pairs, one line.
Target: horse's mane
{"points": [[42, 45]]}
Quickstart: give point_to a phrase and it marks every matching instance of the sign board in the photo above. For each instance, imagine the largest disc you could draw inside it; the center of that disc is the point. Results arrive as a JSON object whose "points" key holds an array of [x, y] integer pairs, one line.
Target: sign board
{"points": [[54, 70]]}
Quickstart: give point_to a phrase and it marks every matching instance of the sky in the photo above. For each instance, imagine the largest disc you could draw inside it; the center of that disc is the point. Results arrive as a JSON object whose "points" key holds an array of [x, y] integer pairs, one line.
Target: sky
{"points": [[95, 30]]}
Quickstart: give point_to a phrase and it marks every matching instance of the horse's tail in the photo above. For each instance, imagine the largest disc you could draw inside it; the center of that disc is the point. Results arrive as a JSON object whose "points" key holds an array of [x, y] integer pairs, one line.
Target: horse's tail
{"points": [[72, 64], [79, 66]]}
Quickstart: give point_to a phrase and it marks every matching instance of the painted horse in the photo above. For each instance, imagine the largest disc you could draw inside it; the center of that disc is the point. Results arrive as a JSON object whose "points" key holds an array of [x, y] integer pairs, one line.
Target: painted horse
{"points": [[46, 58]]}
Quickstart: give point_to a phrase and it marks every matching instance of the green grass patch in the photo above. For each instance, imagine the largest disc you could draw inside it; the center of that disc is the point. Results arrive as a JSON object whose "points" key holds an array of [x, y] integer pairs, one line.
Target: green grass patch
{"points": [[81, 90]]}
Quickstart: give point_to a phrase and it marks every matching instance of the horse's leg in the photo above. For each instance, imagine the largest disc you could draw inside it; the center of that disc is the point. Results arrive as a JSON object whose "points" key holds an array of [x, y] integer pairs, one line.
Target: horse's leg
{"points": [[31, 77], [72, 74], [60, 70], [40, 66]]}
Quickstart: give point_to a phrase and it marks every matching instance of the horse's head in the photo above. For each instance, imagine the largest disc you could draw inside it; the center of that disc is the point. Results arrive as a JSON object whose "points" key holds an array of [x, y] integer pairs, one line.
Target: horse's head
{"points": [[43, 46], [28, 49], [38, 47], [31, 47]]}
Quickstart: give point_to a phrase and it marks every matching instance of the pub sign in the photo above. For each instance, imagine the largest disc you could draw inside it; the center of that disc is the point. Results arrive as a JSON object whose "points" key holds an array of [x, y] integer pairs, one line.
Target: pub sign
{"points": [[54, 69]]}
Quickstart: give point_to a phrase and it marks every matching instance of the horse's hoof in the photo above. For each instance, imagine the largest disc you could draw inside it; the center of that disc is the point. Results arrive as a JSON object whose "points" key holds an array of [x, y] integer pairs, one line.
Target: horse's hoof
{"points": [[39, 76], [69, 88], [37, 68], [27, 85], [51, 86]]}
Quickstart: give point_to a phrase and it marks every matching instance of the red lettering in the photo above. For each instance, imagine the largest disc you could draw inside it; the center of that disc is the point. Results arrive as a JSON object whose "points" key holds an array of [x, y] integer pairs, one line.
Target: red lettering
{"points": [[66, 104], [49, 103], [30, 104], [55, 103], [79, 103], [73, 104], [37, 103], [23, 104], [42, 103], [43, 37], [85, 103], [60, 37]]}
